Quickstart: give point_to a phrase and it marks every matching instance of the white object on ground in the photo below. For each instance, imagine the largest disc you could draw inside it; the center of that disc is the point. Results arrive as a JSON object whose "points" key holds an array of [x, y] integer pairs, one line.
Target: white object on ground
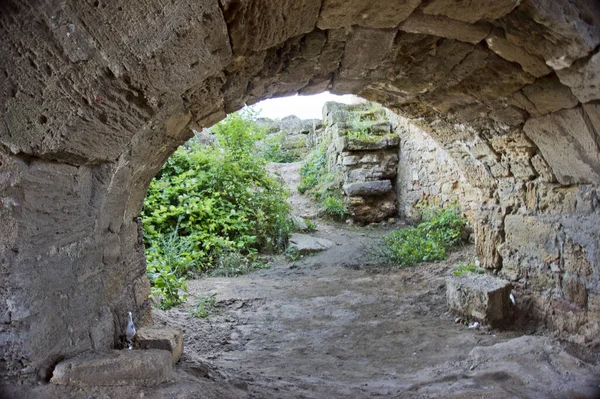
{"points": [[130, 330], [512, 298], [474, 325]]}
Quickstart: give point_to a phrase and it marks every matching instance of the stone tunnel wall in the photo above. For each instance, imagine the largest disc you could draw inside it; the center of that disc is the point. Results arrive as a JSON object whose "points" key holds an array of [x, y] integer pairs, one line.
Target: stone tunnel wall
{"points": [[95, 95]]}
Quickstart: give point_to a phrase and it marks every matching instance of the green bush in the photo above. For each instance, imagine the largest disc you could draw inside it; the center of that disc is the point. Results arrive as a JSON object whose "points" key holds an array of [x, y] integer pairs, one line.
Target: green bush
{"points": [[212, 200], [429, 241]]}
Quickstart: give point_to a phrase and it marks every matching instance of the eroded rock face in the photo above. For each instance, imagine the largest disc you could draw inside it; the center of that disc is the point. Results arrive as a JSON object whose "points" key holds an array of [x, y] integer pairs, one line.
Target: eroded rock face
{"points": [[96, 95]]}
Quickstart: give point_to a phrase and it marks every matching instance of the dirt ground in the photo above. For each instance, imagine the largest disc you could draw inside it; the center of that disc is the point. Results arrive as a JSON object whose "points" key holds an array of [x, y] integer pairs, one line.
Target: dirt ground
{"points": [[339, 325]]}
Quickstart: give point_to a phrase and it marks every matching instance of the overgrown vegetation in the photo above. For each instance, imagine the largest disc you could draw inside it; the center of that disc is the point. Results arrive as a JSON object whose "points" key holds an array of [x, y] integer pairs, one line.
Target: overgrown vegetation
{"points": [[462, 268], [429, 241], [273, 149], [322, 185], [211, 201]]}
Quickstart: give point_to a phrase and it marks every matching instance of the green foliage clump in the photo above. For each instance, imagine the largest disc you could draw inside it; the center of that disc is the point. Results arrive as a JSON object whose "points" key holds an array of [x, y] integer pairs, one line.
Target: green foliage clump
{"points": [[273, 151], [204, 306], [429, 241], [208, 200], [462, 268], [324, 186], [310, 225], [314, 169], [334, 207]]}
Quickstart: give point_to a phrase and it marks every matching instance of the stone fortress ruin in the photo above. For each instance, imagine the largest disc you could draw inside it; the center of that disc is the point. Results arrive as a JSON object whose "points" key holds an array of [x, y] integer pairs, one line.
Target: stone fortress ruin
{"points": [[95, 96]]}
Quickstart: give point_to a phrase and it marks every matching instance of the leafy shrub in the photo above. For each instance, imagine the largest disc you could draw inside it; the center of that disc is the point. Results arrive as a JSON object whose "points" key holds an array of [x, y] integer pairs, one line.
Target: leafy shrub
{"points": [[429, 241], [204, 306], [212, 200], [169, 263], [462, 268], [292, 254], [334, 207]]}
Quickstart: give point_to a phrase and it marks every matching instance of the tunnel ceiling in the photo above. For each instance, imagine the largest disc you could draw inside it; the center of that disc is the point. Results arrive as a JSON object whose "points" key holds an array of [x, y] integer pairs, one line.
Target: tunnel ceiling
{"points": [[96, 94]]}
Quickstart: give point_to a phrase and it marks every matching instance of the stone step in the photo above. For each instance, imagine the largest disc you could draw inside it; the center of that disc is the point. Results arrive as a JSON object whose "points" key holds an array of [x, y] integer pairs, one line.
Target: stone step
{"points": [[308, 244], [166, 338], [368, 188], [482, 297], [115, 368]]}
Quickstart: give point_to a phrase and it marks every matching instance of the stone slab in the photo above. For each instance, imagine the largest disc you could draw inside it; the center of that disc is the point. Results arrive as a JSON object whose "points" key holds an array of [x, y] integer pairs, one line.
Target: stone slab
{"points": [[482, 297], [308, 244], [368, 188], [116, 368], [169, 339]]}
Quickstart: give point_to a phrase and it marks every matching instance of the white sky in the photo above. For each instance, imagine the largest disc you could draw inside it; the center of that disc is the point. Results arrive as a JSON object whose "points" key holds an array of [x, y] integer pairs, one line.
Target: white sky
{"points": [[304, 107]]}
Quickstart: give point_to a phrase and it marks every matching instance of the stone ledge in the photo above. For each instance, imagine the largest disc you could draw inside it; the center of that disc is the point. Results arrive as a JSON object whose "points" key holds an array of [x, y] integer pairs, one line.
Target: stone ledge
{"points": [[482, 297], [116, 368], [368, 188]]}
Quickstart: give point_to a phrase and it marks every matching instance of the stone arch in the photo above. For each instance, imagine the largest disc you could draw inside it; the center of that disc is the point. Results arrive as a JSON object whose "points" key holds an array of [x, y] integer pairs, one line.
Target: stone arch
{"points": [[95, 96]]}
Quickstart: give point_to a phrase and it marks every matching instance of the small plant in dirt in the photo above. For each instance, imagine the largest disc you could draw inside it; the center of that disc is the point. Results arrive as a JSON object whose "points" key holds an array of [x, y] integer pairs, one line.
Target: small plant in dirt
{"points": [[234, 264], [427, 242], [310, 225], [204, 306], [208, 200], [292, 254], [334, 207], [462, 268]]}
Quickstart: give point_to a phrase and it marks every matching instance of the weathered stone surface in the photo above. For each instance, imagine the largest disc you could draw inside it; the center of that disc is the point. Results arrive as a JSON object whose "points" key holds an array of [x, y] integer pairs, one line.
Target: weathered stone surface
{"points": [[583, 78], [308, 244], [373, 14], [569, 145], [356, 144], [365, 50], [168, 339], [269, 23], [445, 27], [468, 11], [368, 188], [125, 367], [555, 30], [511, 52], [548, 95], [483, 297]]}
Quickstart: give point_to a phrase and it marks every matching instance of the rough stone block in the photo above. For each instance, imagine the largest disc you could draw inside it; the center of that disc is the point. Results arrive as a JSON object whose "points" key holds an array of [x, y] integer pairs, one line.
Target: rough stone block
{"points": [[569, 145], [382, 13], [583, 78], [125, 367], [307, 244], [511, 52], [469, 11], [445, 27], [368, 188], [169, 339], [389, 141], [483, 297]]}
